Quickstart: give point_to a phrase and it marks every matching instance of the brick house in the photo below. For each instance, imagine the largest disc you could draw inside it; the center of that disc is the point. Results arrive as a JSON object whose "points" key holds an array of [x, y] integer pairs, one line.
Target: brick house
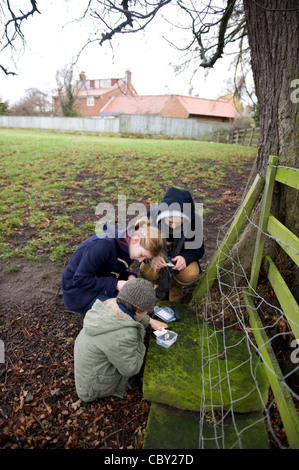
{"points": [[172, 106], [93, 94], [114, 96]]}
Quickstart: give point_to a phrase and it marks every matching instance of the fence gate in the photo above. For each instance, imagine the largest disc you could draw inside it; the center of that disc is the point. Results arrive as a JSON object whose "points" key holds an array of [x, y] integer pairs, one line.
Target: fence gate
{"points": [[288, 241]]}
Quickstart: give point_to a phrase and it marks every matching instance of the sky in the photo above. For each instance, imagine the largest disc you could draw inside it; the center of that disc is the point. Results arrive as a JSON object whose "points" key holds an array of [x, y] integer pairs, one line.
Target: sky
{"points": [[54, 39]]}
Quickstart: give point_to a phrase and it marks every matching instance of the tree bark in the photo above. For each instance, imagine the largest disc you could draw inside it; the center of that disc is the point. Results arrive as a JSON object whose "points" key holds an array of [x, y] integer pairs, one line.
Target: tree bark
{"points": [[274, 45]]}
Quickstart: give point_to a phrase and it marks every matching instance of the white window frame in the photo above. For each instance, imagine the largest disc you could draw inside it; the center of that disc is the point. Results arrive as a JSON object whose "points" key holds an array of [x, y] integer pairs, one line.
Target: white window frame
{"points": [[90, 101], [106, 83]]}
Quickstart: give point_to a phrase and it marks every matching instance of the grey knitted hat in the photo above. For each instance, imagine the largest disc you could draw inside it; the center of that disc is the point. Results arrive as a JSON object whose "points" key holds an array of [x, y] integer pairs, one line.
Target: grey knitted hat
{"points": [[139, 293]]}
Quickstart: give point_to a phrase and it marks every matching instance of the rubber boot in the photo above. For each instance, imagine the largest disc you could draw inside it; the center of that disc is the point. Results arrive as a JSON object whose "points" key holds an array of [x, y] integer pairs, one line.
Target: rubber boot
{"points": [[176, 293]]}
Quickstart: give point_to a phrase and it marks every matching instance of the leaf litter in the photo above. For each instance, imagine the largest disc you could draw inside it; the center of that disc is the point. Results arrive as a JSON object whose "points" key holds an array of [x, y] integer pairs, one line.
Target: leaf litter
{"points": [[39, 407]]}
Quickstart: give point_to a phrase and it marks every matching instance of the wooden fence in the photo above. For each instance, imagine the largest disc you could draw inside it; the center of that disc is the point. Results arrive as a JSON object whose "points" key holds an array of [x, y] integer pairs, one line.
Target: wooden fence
{"points": [[124, 124], [249, 136], [289, 242]]}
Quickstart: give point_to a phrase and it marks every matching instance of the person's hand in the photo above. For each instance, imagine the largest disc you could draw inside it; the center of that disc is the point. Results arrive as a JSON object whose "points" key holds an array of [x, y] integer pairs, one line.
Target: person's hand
{"points": [[131, 277], [157, 325], [120, 284], [158, 262], [180, 263]]}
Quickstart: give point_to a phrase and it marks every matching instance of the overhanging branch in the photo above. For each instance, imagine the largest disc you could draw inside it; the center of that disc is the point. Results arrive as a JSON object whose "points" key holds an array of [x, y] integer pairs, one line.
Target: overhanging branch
{"points": [[221, 36], [12, 27], [132, 16]]}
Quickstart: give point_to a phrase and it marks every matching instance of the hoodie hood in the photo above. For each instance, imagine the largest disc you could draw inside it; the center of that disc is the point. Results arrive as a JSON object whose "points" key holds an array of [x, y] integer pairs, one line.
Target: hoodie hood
{"points": [[119, 233], [189, 235], [176, 203], [106, 316]]}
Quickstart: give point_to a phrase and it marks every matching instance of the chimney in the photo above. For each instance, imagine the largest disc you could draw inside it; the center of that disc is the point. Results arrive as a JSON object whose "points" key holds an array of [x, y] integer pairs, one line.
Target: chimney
{"points": [[82, 77], [128, 81]]}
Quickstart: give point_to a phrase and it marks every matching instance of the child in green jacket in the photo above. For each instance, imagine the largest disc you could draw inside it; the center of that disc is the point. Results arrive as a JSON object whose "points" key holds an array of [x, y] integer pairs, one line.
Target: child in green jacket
{"points": [[110, 348]]}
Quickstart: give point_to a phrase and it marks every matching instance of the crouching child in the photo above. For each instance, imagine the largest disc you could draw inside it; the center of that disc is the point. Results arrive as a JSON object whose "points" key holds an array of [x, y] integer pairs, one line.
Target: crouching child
{"points": [[110, 347]]}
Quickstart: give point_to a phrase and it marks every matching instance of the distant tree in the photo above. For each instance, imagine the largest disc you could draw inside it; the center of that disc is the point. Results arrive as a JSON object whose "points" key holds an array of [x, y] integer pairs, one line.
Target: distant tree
{"points": [[34, 103], [67, 92], [4, 108], [231, 98]]}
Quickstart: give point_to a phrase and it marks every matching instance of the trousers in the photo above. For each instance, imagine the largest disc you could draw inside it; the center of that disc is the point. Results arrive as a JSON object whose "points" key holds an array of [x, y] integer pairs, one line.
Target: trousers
{"points": [[186, 276]]}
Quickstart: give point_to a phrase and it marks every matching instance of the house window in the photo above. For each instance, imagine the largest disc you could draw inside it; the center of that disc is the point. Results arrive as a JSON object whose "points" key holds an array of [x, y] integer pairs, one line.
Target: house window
{"points": [[90, 101], [106, 83]]}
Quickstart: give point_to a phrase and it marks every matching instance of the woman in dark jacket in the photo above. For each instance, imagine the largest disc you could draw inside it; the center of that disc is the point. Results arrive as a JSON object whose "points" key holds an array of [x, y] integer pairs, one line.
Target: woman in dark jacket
{"points": [[181, 228], [100, 266]]}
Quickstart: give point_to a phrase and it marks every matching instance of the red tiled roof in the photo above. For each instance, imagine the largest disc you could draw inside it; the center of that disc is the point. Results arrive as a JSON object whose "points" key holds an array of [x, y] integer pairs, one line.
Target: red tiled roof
{"points": [[83, 93], [153, 104], [207, 107], [137, 104]]}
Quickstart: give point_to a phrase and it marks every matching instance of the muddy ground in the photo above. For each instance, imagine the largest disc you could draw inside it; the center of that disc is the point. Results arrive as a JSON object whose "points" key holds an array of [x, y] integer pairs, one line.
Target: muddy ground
{"points": [[39, 408]]}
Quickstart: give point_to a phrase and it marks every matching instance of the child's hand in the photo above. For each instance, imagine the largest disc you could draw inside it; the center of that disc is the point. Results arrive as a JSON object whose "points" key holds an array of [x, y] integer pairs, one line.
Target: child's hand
{"points": [[157, 325], [158, 262], [120, 284], [180, 263]]}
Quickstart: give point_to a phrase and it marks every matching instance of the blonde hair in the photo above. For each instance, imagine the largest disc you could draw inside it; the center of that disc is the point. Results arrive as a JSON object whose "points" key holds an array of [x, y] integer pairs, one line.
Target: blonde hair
{"points": [[150, 237]]}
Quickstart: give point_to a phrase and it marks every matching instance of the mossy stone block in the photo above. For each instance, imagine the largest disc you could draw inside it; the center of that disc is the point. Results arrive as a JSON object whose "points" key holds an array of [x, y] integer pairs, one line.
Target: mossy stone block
{"points": [[205, 368], [169, 428]]}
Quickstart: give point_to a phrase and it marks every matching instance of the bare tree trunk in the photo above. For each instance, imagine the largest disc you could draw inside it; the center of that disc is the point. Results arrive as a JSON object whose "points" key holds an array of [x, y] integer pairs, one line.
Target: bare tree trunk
{"points": [[274, 44]]}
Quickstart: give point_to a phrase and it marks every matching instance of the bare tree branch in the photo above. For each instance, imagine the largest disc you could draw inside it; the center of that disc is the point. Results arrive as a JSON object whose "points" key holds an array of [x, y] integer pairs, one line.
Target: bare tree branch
{"points": [[12, 23], [137, 20], [221, 35]]}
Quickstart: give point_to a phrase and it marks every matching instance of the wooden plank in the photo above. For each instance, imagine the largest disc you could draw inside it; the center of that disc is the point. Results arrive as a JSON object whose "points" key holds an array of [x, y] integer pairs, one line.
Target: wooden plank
{"points": [[289, 177], [283, 397], [252, 134], [265, 211], [284, 295], [231, 236], [285, 238]]}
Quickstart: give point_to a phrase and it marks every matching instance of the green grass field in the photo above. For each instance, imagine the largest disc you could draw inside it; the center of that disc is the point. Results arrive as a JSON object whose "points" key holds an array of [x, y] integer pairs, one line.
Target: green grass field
{"points": [[51, 183]]}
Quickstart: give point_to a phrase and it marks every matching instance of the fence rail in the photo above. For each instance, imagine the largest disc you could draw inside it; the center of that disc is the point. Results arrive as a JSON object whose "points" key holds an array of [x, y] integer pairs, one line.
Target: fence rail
{"points": [[148, 125], [140, 125], [249, 136], [278, 374]]}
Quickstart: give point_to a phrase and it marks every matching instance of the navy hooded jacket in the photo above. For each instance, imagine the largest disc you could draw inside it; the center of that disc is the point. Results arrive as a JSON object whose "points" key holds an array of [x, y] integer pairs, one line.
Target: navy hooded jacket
{"points": [[95, 267], [187, 240]]}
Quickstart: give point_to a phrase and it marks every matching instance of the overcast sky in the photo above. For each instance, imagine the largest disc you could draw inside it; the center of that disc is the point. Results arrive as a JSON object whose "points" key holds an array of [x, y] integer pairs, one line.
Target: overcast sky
{"points": [[53, 39]]}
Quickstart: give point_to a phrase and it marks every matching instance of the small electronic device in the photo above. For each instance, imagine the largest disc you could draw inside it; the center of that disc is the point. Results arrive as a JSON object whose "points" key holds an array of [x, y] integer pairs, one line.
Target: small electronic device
{"points": [[160, 332], [167, 338], [170, 264], [167, 314]]}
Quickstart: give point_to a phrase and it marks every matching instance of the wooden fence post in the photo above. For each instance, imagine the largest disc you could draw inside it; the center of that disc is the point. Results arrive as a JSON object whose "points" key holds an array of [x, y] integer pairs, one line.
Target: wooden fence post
{"points": [[231, 236]]}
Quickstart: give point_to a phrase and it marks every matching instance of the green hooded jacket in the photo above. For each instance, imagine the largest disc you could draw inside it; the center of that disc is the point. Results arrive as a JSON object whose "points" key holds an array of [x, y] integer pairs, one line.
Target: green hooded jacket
{"points": [[108, 351]]}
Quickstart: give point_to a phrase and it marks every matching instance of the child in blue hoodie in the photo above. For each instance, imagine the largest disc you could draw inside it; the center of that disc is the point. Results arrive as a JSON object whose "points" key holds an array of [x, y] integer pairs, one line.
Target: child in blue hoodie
{"points": [[181, 228], [99, 267]]}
